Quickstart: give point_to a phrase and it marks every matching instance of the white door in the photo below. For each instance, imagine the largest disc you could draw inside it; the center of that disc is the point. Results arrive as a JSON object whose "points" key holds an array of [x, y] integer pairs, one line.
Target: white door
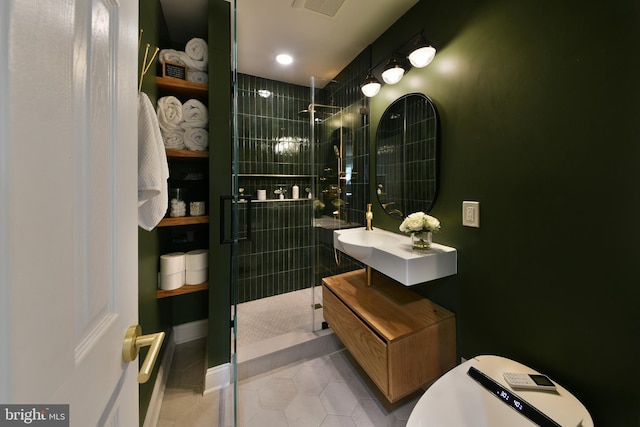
{"points": [[68, 209]]}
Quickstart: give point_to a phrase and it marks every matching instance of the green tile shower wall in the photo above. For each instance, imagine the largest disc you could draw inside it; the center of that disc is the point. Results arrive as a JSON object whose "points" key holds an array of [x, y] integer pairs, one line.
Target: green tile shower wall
{"points": [[264, 120], [283, 255], [278, 259], [274, 153]]}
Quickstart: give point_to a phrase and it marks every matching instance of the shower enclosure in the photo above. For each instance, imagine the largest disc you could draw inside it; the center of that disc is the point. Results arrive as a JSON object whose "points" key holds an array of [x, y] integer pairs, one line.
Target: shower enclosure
{"points": [[300, 171], [296, 149], [276, 161]]}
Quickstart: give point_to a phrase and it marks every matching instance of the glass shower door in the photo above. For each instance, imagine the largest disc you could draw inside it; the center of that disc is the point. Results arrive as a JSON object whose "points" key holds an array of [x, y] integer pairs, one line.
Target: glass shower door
{"points": [[235, 211]]}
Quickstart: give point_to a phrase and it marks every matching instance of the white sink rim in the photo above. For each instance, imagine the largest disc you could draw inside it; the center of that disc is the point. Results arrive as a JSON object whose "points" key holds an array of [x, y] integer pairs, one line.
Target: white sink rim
{"points": [[391, 254], [360, 243]]}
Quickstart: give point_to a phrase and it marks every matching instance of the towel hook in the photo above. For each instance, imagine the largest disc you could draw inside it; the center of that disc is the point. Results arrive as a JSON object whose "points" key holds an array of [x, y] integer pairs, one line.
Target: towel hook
{"points": [[145, 65]]}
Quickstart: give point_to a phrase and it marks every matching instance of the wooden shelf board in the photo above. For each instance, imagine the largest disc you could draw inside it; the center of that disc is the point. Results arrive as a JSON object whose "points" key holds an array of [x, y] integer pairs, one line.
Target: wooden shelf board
{"points": [[186, 289], [186, 153], [182, 86], [184, 220]]}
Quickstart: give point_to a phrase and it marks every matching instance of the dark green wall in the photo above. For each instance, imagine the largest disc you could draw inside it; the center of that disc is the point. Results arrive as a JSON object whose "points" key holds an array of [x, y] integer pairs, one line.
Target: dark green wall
{"points": [[218, 344], [540, 118]]}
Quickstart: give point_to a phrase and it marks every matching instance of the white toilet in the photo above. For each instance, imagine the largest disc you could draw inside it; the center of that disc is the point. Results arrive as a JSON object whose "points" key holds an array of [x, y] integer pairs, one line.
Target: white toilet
{"points": [[459, 400]]}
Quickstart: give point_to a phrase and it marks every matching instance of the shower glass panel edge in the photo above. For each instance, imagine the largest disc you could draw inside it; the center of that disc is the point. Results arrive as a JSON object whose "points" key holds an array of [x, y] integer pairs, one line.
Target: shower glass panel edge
{"points": [[330, 136], [340, 137], [235, 215]]}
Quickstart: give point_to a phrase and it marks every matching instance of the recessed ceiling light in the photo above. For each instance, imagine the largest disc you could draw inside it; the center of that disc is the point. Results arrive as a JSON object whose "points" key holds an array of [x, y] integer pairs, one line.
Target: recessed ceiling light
{"points": [[284, 59]]}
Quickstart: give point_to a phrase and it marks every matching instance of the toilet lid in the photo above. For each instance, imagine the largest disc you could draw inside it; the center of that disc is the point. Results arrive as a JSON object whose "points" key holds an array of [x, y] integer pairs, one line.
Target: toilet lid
{"points": [[457, 400]]}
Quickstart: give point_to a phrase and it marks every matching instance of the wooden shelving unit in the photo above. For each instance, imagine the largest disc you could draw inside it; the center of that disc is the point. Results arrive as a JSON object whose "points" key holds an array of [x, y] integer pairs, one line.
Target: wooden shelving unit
{"points": [[185, 90], [186, 289]]}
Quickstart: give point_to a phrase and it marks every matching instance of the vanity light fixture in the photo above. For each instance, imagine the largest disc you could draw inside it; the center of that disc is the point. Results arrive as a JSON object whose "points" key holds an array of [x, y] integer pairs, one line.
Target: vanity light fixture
{"points": [[371, 86], [393, 71], [417, 50], [422, 53]]}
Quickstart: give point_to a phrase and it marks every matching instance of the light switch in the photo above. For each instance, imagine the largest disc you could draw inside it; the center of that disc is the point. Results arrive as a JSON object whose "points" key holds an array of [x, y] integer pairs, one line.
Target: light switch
{"points": [[471, 214]]}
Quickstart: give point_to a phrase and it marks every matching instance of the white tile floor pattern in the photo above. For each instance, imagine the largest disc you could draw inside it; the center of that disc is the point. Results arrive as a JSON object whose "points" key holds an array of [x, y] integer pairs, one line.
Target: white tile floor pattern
{"points": [[328, 391], [277, 315]]}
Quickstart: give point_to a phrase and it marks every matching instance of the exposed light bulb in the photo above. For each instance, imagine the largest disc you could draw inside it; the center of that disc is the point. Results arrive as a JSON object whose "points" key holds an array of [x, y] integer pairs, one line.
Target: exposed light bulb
{"points": [[393, 75], [393, 72], [422, 57], [371, 89], [371, 86]]}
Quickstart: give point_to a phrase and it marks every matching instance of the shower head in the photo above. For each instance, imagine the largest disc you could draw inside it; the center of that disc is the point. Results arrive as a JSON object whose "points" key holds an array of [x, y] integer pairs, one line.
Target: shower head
{"points": [[336, 150]]}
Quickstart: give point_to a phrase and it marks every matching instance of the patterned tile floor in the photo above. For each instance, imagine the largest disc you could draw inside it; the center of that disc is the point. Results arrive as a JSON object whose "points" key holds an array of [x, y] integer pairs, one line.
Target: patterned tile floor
{"points": [[273, 316], [328, 391]]}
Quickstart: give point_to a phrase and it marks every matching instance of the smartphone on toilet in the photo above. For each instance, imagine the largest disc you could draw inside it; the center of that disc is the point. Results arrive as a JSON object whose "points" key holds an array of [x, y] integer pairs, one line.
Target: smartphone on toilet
{"points": [[517, 380]]}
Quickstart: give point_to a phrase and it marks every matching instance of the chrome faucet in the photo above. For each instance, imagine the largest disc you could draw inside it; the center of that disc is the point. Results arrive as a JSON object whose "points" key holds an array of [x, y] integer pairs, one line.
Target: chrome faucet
{"points": [[369, 217]]}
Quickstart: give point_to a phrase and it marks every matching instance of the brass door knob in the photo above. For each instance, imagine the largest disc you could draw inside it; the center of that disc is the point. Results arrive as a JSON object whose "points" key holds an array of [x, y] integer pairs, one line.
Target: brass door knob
{"points": [[132, 344]]}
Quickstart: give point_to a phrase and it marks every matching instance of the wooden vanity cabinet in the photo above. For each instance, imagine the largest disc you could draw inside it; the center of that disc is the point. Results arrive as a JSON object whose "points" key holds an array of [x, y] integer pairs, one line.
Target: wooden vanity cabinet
{"points": [[402, 340]]}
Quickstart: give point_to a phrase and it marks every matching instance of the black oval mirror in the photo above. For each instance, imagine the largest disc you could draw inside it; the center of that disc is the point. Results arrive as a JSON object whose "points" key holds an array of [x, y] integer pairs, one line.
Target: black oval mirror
{"points": [[406, 149]]}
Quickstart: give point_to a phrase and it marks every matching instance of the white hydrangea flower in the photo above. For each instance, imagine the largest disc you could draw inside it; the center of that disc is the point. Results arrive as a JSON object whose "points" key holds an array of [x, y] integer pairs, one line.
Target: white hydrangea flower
{"points": [[419, 221]]}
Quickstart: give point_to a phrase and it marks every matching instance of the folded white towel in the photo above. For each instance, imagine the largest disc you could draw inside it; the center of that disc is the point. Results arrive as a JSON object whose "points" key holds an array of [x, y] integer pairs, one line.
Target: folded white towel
{"points": [[198, 77], [194, 115], [169, 113], [196, 139], [153, 170], [170, 55], [174, 139], [196, 54]]}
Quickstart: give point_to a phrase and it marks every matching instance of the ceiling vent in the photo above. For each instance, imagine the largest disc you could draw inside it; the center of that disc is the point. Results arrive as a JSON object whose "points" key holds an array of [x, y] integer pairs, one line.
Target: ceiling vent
{"points": [[326, 7]]}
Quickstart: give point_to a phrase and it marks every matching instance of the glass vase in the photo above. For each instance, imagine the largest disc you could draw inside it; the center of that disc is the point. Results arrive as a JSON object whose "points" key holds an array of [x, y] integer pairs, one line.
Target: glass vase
{"points": [[421, 240]]}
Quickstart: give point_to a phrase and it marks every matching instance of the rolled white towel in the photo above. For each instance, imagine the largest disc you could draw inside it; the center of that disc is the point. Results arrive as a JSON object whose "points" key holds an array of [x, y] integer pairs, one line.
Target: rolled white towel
{"points": [[197, 49], [169, 113], [198, 76], [196, 139], [174, 139], [194, 115], [192, 64], [196, 54], [170, 55]]}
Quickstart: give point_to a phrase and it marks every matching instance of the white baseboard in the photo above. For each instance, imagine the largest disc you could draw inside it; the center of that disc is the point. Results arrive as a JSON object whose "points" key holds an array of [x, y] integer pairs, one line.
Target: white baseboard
{"points": [[190, 331], [179, 335], [217, 378], [155, 404]]}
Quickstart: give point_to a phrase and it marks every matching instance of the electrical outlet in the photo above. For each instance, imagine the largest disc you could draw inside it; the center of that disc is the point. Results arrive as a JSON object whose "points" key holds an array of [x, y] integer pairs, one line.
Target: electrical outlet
{"points": [[471, 214]]}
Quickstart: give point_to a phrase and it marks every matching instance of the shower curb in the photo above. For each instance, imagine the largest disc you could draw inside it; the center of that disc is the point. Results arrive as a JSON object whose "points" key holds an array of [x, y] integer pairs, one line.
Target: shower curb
{"points": [[280, 351], [272, 354]]}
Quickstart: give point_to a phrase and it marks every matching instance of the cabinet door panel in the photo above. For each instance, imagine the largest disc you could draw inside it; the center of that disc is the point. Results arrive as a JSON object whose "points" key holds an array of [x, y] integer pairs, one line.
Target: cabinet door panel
{"points": [[365, 346]]}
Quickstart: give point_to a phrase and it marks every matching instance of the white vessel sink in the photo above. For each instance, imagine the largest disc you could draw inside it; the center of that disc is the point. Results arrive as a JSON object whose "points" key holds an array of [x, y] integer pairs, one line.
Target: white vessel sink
{"points": [[392, 255]]}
